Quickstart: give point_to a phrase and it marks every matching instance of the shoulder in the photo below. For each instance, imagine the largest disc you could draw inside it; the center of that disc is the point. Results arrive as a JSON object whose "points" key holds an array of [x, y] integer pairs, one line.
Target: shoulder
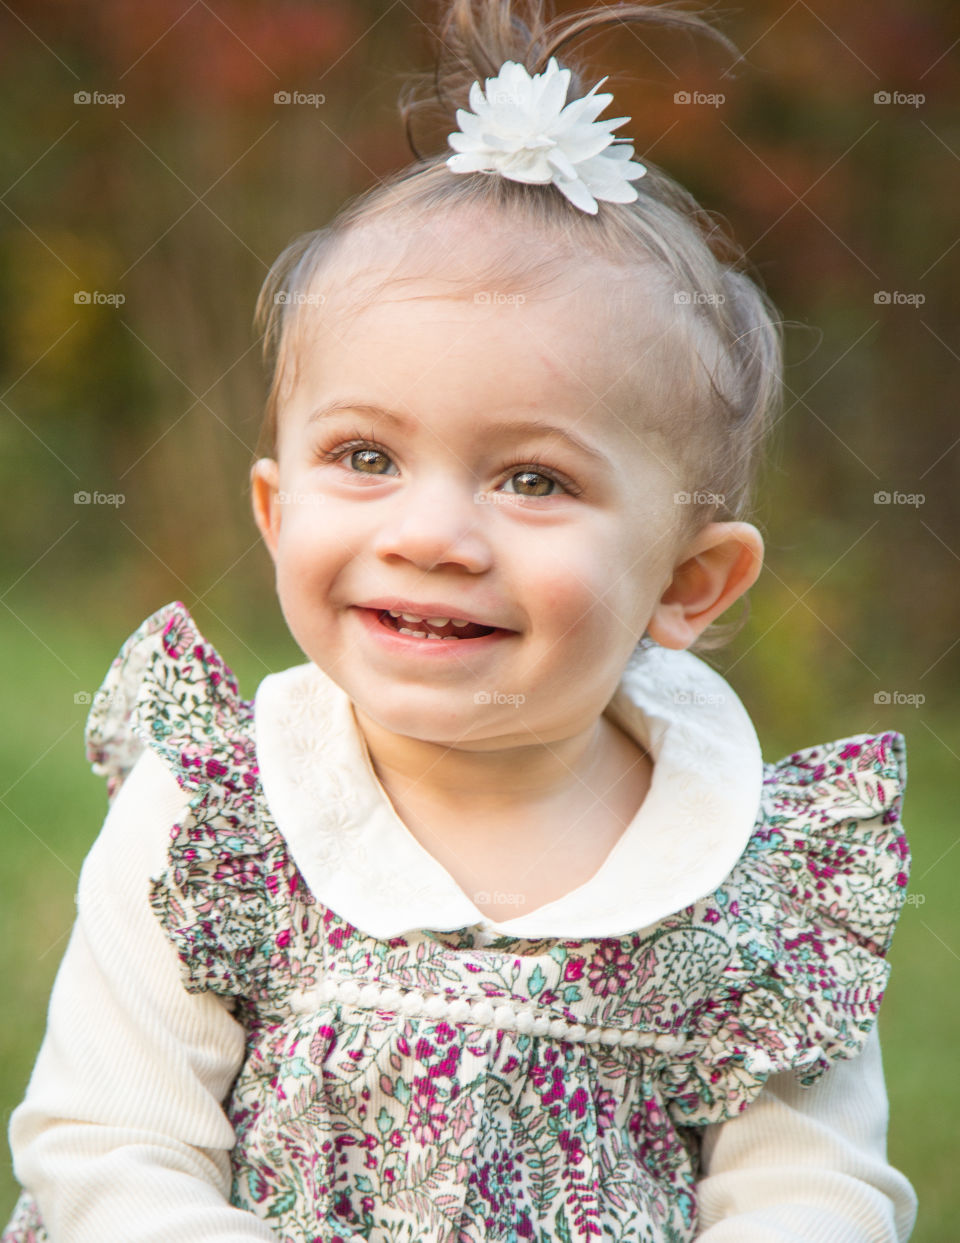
{"points": [[171, 734], [169, 689], [830, 835], [133, 843], [858, 777], [807, 914]]}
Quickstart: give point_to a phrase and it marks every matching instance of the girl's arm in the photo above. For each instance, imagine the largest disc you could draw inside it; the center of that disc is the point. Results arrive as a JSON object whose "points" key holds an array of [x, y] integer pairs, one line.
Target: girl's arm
{"points": [[807, 1164], [122, 1135]]}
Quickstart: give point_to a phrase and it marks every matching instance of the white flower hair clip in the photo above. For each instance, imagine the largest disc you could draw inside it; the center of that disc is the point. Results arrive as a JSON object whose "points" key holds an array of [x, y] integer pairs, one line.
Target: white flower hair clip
{"points": [[521, 129]]}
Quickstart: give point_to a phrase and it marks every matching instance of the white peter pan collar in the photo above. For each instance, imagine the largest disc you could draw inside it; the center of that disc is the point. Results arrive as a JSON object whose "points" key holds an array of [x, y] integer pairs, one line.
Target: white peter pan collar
{"points": [[359, 858]]}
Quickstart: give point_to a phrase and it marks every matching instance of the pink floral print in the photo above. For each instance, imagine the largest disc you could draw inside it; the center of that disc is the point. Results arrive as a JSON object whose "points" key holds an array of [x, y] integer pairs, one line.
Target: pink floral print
{"points": [[356, 1118]]}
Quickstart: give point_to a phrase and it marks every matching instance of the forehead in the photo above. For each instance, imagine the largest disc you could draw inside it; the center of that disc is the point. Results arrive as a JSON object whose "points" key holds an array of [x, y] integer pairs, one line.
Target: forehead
{"points": [[470, 255], [469, 283]]}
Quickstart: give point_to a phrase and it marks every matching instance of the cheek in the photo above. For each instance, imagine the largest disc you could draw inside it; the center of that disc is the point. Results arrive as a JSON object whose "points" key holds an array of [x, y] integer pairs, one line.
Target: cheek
{"points": [[305, 585], [579, 579], [315, 533], [304, 558], [593, 594]]}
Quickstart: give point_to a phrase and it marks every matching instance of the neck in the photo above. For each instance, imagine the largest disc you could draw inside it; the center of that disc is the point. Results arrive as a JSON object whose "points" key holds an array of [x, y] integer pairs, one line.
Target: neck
{"points": [[491, 782]]}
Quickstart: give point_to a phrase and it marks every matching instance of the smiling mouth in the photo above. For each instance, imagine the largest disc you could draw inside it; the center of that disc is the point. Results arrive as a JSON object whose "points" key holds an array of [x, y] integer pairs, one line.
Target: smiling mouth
{"points": [[422, 629]]}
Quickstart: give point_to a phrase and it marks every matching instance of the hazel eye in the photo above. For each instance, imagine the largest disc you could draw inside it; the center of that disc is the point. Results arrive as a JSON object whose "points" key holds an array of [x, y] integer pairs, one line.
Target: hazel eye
{"points": [[541, 485], [361, 459]]}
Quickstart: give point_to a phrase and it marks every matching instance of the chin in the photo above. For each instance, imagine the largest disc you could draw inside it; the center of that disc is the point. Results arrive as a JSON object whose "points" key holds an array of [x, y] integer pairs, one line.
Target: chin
{"points": [[438, 726]]}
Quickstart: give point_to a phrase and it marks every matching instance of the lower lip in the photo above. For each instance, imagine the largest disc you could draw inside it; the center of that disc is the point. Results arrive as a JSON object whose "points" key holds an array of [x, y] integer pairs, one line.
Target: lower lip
{"points": [[430, 649]]}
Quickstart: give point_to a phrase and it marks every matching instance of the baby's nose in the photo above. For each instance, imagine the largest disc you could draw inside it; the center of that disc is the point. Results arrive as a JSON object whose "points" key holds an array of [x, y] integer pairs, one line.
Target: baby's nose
{"points": [[434, 524]]}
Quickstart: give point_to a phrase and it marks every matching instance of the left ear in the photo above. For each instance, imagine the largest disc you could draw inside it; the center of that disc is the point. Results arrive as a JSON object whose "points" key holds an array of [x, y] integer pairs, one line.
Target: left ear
{"points": [[718, 565], [264, 486]]}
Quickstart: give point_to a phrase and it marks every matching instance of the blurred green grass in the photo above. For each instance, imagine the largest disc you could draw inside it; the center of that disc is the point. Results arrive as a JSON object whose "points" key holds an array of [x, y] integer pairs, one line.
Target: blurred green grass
{"points": [[53, 806]]}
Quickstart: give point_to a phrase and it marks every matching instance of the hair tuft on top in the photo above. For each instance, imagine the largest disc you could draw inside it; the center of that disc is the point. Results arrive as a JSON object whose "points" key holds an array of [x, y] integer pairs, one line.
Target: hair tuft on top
{"points": [[475, 37]]}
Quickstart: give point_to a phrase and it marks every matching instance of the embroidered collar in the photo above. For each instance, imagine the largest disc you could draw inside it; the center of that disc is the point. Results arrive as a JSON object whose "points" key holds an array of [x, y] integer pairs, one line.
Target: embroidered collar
{"points": [[360, 859]]}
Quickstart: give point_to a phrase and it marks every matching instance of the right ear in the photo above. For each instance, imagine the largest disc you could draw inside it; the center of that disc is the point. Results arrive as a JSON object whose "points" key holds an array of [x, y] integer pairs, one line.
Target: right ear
{"points": [[264, 479]]}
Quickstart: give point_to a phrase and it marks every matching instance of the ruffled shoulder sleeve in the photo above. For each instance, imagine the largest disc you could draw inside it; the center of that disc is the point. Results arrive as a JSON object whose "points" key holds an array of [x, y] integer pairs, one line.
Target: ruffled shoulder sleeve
{"points": [[809, 911], [168, 689]]}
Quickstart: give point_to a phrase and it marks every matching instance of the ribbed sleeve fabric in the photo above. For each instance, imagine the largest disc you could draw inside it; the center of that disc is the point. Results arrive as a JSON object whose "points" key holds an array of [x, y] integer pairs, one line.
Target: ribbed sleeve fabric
{"points": [[807, 1165], [122, 1135]]}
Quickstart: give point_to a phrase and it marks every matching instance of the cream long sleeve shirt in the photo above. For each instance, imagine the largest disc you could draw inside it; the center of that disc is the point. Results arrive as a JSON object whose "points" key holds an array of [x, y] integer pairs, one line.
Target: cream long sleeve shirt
{"points": [[123, 1136]]}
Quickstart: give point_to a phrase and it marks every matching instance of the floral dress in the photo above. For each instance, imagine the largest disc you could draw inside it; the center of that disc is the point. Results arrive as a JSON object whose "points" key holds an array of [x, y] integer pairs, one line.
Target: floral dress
{"points": [[437, 1087]]}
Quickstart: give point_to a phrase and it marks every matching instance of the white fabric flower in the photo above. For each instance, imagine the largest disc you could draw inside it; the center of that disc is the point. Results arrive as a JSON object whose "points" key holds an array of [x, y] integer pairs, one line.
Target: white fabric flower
{"points": [[521, 129]]}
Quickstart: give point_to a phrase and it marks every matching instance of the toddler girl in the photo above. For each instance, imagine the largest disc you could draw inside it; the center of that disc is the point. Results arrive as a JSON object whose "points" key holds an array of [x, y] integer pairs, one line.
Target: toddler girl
{"points": [[489, 921]]}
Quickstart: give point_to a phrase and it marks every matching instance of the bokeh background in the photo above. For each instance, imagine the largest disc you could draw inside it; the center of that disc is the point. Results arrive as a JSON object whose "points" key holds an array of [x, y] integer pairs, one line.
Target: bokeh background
{"points": [[834, 154]]}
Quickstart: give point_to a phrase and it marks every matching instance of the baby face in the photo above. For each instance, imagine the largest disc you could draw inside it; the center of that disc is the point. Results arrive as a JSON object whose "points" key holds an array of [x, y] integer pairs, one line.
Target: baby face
{"points": [[469, 460]]}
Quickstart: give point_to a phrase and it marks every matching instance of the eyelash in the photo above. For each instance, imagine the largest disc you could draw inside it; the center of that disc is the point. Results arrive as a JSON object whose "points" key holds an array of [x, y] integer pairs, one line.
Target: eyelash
{"points": [[342, 449]]}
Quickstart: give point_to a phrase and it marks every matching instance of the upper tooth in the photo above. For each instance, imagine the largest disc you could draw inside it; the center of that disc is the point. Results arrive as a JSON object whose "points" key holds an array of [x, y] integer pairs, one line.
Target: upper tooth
{"points": [[433, 621]]}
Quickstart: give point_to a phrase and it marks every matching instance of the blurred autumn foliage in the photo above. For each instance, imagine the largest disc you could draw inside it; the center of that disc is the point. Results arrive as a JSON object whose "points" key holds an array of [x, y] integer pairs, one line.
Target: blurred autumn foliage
{"points": [[179, 198]]}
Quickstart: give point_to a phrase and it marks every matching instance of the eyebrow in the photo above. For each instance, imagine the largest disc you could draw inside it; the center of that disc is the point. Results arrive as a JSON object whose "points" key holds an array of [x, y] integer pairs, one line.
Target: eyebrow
{"points": [[501, 428]]}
